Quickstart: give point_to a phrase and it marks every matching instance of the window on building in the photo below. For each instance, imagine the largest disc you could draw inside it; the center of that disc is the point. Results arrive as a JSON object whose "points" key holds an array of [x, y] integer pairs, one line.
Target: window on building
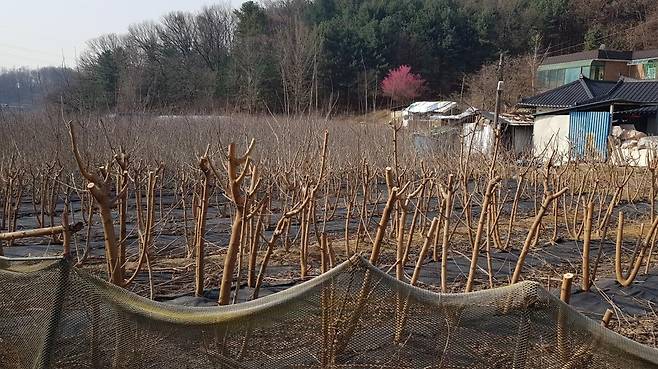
{"points": [[559, 80], [586, 71], [571, 74], [542, 78], [597, 71], [650, 70], [552, 78]]}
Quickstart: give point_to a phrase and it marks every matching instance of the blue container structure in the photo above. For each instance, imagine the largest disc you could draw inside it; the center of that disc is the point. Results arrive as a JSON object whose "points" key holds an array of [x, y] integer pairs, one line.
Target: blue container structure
{"points": [[588, 134]]}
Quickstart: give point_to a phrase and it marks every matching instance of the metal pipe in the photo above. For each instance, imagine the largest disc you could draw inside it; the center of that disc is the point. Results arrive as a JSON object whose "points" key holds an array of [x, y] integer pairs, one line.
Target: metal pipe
{"points": [[31, 258], [40, 232]]}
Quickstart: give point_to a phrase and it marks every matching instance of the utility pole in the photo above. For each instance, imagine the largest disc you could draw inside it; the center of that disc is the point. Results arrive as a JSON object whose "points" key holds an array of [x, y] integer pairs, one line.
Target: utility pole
{"points": [[499, 91], [18, 92], [461, 94]]}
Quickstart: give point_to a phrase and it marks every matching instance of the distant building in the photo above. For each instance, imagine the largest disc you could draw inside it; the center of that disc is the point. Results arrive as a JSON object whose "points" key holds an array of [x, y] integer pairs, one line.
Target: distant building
{"points": [[598, 65], [474, 129], [420, 114], [515, 133], [576, 120]]}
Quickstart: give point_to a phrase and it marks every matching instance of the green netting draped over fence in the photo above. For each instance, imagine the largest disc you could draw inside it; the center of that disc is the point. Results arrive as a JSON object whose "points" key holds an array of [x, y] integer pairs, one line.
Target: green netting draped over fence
{"points": [[55, 316]]}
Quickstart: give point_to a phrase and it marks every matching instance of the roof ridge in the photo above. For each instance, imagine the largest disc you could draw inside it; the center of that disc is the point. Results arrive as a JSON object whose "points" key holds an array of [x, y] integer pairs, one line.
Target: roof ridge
{"points": [[616, 87], [586, 86], [629, 79], [606, 96], [550, 91]]}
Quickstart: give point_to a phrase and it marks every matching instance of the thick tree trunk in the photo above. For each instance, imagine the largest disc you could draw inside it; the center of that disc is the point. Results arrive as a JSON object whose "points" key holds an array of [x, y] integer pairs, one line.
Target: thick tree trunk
{"points": [[111, 247], [231, 257]]}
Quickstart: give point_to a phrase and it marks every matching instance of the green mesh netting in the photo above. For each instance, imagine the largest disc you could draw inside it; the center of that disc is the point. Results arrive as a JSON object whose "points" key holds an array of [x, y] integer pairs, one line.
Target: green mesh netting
{"points": [[355, 316]]}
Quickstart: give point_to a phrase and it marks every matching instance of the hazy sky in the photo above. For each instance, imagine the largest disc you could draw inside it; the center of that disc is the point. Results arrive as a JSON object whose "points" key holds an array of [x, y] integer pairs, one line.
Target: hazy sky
{"points": [[39, 32]]}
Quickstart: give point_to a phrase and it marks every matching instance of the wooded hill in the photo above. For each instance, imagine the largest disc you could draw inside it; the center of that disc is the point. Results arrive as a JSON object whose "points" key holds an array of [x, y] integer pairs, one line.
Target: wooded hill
{"points": [[300, 55]]}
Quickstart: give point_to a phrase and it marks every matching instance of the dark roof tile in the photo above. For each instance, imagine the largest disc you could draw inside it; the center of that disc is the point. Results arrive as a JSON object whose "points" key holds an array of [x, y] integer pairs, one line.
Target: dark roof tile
{"points": [[645, 110], [624, 92], [630, 90], [599, 88], [571, 94]]}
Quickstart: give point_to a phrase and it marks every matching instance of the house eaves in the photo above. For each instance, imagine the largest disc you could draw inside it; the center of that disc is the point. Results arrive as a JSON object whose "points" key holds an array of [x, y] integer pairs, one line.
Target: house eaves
{"points": [[589, 106], [578, 91]]}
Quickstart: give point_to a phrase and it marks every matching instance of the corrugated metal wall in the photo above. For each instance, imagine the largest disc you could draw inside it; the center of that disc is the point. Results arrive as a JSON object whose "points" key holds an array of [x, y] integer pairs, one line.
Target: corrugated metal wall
{"points": [[588, 134]]}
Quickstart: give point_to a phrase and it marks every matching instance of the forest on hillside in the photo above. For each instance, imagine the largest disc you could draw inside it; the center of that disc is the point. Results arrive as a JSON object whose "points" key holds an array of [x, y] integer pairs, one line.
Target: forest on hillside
{"points": [[298, 56]]}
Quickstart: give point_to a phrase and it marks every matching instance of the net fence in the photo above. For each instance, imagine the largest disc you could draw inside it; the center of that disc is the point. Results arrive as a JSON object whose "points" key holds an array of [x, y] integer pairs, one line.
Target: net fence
{"points": [[355, 316]]}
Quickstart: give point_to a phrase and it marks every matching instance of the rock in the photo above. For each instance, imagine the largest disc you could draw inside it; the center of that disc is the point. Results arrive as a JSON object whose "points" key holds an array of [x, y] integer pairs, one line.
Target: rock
{"points": [[617, 131], [650, 142], [629, 144], [631, 135]]}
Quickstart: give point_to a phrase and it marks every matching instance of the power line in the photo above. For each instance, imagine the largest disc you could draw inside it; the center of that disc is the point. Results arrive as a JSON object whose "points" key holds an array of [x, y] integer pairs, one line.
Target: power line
{"points": [[33, 58], [26, 50]]}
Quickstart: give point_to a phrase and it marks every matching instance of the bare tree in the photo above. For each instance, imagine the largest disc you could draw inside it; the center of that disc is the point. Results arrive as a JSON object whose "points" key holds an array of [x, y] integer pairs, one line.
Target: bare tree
{"points": [[214, 27], [298, 46]]}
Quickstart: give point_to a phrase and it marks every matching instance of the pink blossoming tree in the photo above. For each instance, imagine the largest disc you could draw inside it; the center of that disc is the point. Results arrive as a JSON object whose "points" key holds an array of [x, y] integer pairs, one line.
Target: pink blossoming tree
{"points": [[401, 85]]}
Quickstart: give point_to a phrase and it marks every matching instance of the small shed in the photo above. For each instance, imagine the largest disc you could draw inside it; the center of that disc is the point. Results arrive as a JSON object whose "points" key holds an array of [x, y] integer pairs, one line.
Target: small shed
{"points": [[516, 132], [467, 116], [478, 136], [419, 114]]}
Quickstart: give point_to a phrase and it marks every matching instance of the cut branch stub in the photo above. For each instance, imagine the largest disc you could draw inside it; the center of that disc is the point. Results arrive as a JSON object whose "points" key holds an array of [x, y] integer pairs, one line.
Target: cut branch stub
{"points": [[200, 227], [637, 262], [99, 187], [381, 227], [530, 239], [240, 200], [478, 235]]}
